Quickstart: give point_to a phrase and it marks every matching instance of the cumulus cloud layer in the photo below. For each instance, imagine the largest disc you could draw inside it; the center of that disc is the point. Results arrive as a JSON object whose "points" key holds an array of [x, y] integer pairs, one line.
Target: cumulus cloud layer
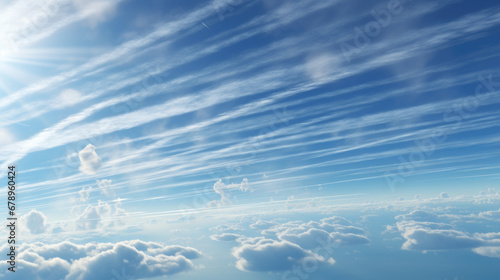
{"points": [[425, 230], [90, 162], [226, 237], [271, 255], [293, 243], [99, 261]]}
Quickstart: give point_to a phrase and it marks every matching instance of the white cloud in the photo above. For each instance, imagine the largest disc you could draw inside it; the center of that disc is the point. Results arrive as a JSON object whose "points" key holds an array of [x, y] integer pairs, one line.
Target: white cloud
{"points": [[226, 237], [419, 216], [99, 261], [227, 228], [106, 187], [492, 251], [68, 97], [90, 162], [314, 234], [272, 255], [424, 238], [336, 220], [84, 193], [89, 219], [34, 221], [95, 216], [320, 66], [317, 238], [298, 243], [492, 215], [225, 192], [6, 137], [261, 225], [425, 231], [95, 10]]}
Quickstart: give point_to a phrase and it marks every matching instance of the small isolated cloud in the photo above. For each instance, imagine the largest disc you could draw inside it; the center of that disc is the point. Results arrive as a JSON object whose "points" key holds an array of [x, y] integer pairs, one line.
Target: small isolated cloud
{"points": [[134, 259], [89, 219], [6, 137], [106, 187], [328, 233], [94, 215], [492, 251], [490, 215], [226, 237], [336, 220], [68, 97], [223, 228], [272, 255], [317, 238], [34, 221], [225, 192], [84, 193], [444, 195], [262, 225], [419, 216], [96, 11], [90, 162], [423, 238], [320, 66]]}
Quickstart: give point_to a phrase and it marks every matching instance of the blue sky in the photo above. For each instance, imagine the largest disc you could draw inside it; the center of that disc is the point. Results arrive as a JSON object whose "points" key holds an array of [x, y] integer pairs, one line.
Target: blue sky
{"points": [[235, 138]]}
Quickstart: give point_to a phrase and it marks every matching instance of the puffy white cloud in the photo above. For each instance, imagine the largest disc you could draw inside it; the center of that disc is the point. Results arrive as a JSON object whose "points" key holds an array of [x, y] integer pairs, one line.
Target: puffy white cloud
{"points": [[317, 238], [419, 216], [96, 11], [298, 243], [272, 255], [134, 259], [222, 228], [336, 220], [225, 192], [6, 137], [34, 221], [68, 97], [84, 193], [422, 238], [89, 219], [336, 230], [90, 162], [491, 251], [261, 225], [134, 262], [320, 66], [93, 216], [423, 231], [492, 215], [106, 187], [226, 237]]}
